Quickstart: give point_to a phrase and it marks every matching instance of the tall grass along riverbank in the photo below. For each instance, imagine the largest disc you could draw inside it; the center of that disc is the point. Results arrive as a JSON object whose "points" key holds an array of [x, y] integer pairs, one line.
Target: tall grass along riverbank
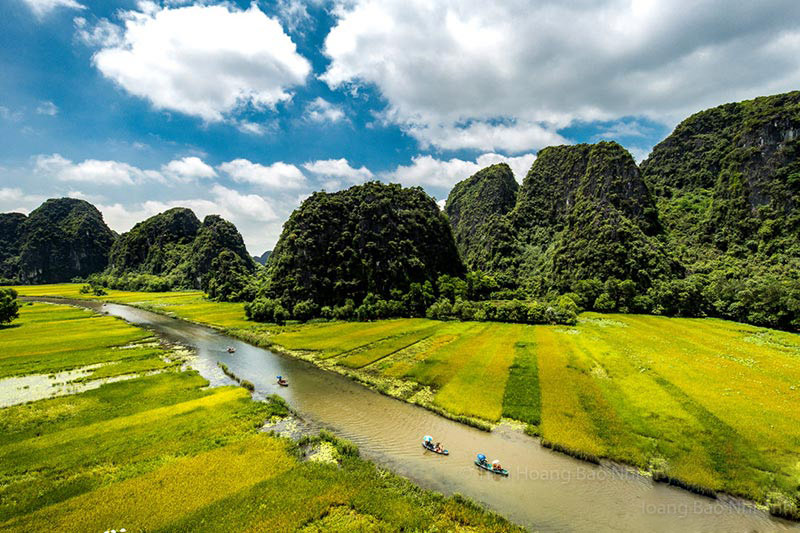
{"points": [[163, 452], [707, 404]]}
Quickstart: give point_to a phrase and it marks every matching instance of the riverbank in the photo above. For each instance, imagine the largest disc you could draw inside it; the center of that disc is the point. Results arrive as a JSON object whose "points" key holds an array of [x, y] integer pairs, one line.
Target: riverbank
{"points": [[164, 452], [707, 405]]}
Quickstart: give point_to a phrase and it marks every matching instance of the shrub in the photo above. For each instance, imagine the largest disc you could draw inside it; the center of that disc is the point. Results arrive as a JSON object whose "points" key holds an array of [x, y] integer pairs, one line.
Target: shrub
{"points": [[305, 310], [9, 305], [266, 310]]}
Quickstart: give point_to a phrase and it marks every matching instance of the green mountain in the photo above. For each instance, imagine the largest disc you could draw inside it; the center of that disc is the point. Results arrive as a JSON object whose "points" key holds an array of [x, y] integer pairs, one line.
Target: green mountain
{"points": [[371, 238], [727, 180], [582, 212], [157, 245], [10, 242], [181, 251], [476, 207], [62, 239]]}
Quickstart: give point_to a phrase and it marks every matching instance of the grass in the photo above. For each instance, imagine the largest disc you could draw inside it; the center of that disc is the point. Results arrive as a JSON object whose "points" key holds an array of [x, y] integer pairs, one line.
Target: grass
{"points": [[164, 452], [703, 403], [47, 338]]}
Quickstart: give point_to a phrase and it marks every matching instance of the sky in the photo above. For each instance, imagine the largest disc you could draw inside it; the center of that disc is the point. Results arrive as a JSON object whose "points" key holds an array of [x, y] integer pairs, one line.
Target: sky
{"points": [[243, 109]]}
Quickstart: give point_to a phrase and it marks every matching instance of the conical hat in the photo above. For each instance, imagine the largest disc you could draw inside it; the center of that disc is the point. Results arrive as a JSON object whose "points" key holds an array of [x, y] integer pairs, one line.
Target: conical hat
{"points": [[495, 462]]}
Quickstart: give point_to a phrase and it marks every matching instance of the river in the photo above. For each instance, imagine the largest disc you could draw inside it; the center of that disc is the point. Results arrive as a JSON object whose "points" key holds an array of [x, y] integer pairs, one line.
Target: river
{"points": [[546, 490]]}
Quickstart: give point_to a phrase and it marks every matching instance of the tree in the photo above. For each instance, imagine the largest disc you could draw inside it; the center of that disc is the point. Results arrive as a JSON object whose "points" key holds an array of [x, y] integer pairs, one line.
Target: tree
{"points": [[9, 306]]}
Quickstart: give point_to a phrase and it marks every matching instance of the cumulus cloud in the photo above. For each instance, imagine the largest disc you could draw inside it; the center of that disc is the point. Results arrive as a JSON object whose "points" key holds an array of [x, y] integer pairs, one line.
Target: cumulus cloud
{"points": [[514, 71], [335, 172], [278, 175], [188, 169], [202, 60], [42, 8], [320, 110], [426, 170], [93, 171]]}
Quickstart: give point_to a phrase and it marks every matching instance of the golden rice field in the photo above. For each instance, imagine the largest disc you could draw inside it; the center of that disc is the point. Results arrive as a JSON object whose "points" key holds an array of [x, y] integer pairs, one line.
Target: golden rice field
{"points": [[164, 452], [708, 402]]}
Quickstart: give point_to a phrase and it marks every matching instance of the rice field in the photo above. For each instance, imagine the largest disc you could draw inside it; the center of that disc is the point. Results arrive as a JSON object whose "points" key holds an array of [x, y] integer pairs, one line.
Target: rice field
{"points": [[164, 452], [47, 338], [706, 403]]}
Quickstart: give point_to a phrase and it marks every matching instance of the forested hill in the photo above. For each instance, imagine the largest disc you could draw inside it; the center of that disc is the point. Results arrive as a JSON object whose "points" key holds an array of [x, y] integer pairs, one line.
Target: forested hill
{"points": [[61, 239], [174, 249], [582, 212], [372, 238], [709, 224]]}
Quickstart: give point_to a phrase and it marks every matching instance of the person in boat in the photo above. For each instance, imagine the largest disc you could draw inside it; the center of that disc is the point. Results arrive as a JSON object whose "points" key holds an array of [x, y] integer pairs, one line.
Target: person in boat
{"points": [[427, 441], [438, 447], [496, 465], [482, 459]]}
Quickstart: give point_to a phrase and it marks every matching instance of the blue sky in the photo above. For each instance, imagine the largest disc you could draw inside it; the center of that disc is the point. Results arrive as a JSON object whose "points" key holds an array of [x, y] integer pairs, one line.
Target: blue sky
{"points": [[244, 108]]}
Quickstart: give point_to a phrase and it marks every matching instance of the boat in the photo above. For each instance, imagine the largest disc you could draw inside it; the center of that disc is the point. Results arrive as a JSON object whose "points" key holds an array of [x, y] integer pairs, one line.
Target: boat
{"points": [[282, 382], [231, 349], [430, 448], [481, 462], [427, 443]]}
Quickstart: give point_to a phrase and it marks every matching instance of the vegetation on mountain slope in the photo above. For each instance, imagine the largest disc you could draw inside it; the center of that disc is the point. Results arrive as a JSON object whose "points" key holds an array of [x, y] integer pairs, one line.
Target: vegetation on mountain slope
{"points": [[61, 239], [175, 250]]}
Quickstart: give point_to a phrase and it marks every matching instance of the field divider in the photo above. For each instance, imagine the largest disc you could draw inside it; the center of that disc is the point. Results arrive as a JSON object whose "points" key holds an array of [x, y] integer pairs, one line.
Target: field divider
{"points": [[394, 352]]}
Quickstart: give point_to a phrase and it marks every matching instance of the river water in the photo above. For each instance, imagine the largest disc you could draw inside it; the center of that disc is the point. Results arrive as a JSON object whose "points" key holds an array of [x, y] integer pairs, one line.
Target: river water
{"points": [[546, 491]]}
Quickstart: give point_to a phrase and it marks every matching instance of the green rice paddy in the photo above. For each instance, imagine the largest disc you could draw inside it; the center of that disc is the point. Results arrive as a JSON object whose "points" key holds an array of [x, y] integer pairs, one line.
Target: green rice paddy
{"points": [[705, 402], [163, 452]]}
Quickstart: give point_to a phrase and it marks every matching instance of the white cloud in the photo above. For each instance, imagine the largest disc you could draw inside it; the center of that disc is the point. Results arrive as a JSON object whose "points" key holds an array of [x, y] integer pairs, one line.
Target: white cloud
{"points": [[425, 170], [104, 33], [47, 108], [188, 169], [293, 13], [8, 114], [484, 136], [509, 67], [93, 171], [335, 172], [13, 199], [41, 8], [320, 110], [278, 175], [251, 206], [253, 128], [202, 60]]}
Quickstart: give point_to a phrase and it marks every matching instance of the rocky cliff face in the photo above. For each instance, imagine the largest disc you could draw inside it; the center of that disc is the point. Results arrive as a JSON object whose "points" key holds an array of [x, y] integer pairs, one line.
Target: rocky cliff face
{"points": [[474, 207], [371, 238], [10, 242], [62, 239], [728, 178]]}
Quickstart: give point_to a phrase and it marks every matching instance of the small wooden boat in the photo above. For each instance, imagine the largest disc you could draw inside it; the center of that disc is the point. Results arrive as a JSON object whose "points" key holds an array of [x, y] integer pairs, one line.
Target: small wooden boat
{"points": [[231, 349], [431, 448], [282, 382], [501, 472]]}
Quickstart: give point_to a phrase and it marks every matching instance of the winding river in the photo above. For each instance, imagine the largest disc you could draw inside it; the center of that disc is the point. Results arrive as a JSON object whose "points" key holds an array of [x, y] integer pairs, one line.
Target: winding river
{"points": [[546, 491]]}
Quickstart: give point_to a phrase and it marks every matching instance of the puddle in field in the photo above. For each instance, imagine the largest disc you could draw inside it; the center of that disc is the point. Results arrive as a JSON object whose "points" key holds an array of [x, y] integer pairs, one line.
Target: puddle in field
{"points": [[546, 491], [17, 390]]}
